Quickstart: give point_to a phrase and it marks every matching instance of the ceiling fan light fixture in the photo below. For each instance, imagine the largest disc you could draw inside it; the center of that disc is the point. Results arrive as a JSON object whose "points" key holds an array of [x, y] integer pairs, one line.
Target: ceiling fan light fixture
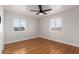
{"points": [[40, 13]]}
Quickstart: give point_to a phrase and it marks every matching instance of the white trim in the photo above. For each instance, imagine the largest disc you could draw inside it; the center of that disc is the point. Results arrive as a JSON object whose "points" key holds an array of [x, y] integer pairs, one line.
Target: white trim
{"points": [[21, 39], [55, 24], [20, 20], [53, 39], [45, 37]]}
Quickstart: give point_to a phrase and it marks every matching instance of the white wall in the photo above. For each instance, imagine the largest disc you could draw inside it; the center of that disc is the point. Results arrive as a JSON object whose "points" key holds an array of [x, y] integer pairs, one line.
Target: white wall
{"points": [[1, 29], [31, 25], [36, 26], [70, 27]]}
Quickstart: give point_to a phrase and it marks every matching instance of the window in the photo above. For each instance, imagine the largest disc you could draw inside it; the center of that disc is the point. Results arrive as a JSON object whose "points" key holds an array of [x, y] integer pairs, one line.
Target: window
{"points": [[55, 24], [19, 24]]}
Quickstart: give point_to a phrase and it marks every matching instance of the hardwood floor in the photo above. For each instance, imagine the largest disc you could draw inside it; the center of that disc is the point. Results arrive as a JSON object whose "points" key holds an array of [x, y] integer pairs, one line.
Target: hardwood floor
{"points": [[39, 46]]}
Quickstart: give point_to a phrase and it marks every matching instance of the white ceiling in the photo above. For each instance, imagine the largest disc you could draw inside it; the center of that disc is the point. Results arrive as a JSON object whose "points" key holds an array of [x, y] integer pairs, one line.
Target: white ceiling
{"points": [[25, 9]]}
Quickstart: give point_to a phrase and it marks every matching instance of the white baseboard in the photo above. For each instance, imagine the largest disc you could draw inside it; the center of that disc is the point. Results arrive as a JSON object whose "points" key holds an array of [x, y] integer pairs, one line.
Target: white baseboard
{"points": [[53, 39], [45, 37], [22, 39]]}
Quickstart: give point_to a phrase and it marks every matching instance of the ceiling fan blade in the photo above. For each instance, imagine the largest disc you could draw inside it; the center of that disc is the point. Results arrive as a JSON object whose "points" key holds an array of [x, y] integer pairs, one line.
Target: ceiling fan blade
{"points": [[47, 10], [34, 10], [37, 13], [44, 13]]}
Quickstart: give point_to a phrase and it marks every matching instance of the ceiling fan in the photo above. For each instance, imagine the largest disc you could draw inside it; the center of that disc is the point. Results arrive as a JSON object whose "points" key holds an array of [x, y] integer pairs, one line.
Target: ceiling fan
{"points": [[41, 10]]}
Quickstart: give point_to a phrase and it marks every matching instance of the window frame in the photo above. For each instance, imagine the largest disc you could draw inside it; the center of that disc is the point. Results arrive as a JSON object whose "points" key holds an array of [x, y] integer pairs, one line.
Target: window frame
{"points": [[55, 25], [20, 25]]}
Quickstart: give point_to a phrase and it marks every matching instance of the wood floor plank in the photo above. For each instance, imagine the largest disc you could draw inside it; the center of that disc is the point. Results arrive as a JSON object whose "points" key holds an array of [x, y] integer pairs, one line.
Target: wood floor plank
{"points": [[39, 46]]}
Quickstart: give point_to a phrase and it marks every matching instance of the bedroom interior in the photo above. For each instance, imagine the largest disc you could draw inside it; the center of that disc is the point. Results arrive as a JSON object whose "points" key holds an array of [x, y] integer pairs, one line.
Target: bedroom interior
{"points": [[39, 29]]}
